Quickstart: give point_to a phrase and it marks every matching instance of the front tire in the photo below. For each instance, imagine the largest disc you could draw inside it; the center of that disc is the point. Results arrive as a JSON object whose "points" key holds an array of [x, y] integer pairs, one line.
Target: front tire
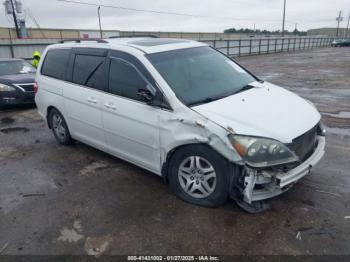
{"points": [[59, 128], [199, 175]]}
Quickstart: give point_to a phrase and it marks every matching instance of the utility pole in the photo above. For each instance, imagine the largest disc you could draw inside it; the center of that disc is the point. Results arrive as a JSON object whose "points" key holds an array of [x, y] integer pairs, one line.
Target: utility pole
{"points": [[15, 19], [347, 27], [284, 17], [339, 19], [99, 21]]}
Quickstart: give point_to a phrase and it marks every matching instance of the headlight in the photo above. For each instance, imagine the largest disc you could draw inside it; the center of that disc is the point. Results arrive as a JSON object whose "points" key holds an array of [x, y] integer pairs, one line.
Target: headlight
{"points": [[5, 88], [262, 152]]}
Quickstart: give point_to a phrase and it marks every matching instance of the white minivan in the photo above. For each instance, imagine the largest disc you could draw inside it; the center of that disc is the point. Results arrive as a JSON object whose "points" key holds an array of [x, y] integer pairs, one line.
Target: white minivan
{"points": [[183, 111]]}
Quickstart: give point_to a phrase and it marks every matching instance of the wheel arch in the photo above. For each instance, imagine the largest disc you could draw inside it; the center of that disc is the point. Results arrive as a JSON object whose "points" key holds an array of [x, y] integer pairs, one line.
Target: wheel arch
{"points": [[48, 111], [170, 153]]}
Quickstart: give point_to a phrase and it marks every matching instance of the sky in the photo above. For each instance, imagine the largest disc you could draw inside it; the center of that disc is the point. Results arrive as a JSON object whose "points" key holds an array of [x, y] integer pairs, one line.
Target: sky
{"points": [[208, 15]]}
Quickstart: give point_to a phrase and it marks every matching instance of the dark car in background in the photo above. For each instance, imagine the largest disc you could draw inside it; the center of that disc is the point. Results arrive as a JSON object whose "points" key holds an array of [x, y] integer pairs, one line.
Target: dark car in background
{"points": [[17, 80], [341, 42]]}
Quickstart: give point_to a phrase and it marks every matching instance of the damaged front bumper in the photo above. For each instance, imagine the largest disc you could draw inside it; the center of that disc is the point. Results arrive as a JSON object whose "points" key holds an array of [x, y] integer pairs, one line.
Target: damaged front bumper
{"points": [[260, 185]]}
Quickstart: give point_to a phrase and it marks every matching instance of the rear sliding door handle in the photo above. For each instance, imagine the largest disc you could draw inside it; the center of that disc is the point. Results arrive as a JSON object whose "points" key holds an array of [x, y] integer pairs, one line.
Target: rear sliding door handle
{"points": [[110, 106], [92, 100]]}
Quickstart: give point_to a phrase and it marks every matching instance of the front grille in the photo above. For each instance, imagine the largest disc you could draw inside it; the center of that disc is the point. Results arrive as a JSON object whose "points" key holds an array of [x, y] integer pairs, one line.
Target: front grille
{"points": [[304, 145], [26, 87]]}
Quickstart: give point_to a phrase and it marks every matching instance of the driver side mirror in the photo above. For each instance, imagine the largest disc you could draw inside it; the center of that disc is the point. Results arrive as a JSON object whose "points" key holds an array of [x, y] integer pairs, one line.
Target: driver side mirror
{"points": [[151, 96], [145, 95]]}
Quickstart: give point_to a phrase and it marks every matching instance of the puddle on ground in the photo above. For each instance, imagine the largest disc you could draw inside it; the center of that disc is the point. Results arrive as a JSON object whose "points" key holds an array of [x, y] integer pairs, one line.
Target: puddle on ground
{"points": [[7, 120], [14, 130]]}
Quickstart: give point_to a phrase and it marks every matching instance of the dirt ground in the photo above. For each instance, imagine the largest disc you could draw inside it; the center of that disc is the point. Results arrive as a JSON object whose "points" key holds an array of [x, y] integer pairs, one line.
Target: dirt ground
{"points": [[78, 200]]}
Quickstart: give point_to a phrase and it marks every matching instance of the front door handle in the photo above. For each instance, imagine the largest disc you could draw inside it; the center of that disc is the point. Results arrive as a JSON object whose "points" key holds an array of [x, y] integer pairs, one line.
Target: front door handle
{"points": [[92, 100], [110, 106]]}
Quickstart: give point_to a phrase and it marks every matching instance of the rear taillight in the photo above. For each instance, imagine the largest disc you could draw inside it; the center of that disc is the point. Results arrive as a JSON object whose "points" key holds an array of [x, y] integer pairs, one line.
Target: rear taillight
{"points": [[36, 87]]}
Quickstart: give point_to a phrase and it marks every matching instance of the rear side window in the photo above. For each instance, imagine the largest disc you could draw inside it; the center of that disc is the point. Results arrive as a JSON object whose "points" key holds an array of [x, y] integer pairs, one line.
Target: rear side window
{"points": [[125, 80], [89, 71], [55, 63]]}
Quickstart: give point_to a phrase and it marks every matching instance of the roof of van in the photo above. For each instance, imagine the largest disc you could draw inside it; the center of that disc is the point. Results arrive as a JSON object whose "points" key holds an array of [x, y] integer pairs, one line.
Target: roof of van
{"points": [[151, 45], [147, 45]]}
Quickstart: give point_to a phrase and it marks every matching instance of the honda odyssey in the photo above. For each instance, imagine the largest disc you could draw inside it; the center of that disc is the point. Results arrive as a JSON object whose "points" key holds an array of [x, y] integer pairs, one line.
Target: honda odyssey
{"points": [[183, 111]]}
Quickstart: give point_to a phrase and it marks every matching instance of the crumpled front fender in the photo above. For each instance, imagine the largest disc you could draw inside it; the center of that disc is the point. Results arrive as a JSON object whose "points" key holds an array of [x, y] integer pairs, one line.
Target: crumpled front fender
{"points": [[180, 131]]}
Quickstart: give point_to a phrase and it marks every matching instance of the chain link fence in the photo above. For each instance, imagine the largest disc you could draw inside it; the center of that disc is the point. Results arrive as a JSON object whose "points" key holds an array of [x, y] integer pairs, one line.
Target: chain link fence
{"points": [[247, 47], [24, 48]]}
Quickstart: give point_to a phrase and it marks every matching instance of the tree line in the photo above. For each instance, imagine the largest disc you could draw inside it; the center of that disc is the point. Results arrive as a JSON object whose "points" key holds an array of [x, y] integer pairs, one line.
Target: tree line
{"points": [[264, 32]]}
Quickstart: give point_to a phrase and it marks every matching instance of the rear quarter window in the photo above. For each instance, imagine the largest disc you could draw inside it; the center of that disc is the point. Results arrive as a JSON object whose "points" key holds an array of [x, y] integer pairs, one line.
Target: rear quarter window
{"points": [[55, 63], [89, 70]]}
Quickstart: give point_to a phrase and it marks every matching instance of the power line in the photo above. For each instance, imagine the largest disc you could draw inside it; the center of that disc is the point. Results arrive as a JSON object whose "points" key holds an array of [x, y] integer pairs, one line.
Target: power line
{"points": [[128, 8], [161, 12], [32, 17]]}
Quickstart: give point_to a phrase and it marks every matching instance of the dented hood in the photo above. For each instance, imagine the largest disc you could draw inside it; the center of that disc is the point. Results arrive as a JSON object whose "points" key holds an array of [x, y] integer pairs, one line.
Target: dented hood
{"points": [[266, 110]]}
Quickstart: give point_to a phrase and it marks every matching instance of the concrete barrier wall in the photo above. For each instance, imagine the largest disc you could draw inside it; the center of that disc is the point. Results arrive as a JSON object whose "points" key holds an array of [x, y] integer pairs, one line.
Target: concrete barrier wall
{"points": [[23, 48], [76, 33], [186, 35]]}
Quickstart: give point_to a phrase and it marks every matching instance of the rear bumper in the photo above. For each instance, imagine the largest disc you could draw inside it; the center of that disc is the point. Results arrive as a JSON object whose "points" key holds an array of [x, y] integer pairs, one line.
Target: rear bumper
{"points": [[272, 183]]}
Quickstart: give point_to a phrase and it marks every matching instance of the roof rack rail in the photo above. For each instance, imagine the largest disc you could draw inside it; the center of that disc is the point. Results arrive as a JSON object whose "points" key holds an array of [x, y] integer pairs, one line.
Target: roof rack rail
{"points": [[134, 36], [83, 40]]}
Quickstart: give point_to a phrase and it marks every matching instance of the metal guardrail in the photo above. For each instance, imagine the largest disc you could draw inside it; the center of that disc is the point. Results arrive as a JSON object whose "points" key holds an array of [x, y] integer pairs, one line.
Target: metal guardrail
{"points": [[247, 47], [24, 48]]}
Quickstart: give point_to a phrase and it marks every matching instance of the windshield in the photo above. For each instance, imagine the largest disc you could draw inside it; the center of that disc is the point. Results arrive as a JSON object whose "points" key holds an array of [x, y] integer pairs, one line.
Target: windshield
{"points": [[15, 67], [200, 75]]}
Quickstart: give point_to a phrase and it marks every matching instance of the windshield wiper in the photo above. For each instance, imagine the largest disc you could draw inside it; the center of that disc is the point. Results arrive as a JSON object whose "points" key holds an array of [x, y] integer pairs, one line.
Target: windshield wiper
{"points": [[211, 99], [245, 88], [203, 101]]}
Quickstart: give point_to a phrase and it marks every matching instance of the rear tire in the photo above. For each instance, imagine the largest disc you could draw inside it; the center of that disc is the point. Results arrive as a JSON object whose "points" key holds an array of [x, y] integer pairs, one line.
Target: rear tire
{"points": [[199, 175], [59, 128]]}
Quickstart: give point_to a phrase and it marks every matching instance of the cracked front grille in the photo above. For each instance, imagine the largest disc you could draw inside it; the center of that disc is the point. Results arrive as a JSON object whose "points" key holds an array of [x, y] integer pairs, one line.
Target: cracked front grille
{"points": [[304, 145]]}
